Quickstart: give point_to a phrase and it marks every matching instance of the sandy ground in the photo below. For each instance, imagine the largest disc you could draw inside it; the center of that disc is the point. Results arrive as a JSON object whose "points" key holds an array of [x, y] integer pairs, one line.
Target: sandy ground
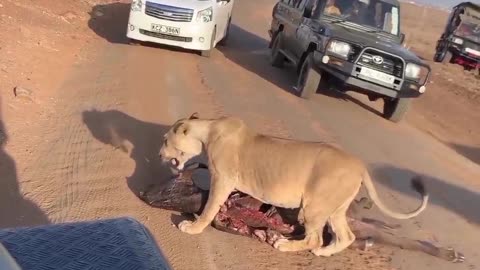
{"points": [[86, 138]]}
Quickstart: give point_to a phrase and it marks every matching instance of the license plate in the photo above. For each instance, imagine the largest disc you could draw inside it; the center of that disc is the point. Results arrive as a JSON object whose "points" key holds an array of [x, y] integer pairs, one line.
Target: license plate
{"points": [[165, 29], [472, 51], [377, 75]]}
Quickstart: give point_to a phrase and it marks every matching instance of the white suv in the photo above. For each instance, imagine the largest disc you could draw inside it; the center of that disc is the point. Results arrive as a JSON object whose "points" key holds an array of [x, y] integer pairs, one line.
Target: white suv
{"points": [[190, 24]]}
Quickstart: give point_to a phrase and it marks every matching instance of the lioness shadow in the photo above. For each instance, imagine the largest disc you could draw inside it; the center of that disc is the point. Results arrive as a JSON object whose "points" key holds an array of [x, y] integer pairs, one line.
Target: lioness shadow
{"points": [[114, 128], [15, 210], [457, 199]]}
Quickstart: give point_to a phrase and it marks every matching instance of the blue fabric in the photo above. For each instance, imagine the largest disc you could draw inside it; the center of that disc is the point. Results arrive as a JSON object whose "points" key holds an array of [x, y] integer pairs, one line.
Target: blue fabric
{"points": [[120, 244]]}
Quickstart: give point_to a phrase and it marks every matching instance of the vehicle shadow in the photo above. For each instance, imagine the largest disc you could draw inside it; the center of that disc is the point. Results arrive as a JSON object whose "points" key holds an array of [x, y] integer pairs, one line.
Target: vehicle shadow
{"points": [[110, 21], [15, 210], [116, 128], [251, 52], [472, 153], [356, 101], [454, 198]]}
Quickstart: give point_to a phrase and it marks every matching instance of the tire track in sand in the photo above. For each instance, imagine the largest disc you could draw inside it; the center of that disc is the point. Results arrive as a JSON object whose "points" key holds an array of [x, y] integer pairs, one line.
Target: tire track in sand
{"points": [[63, 162]]}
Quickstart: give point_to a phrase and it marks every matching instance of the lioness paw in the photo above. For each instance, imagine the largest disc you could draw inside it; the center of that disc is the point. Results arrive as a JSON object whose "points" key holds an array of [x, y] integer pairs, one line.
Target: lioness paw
{"points": [[188, 226], [454, 256], [322, 251], [281, 244]]}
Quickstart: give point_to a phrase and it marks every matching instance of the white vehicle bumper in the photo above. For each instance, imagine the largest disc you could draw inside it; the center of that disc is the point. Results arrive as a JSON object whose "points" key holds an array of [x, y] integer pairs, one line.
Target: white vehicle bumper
{"points": [[193, 35]]}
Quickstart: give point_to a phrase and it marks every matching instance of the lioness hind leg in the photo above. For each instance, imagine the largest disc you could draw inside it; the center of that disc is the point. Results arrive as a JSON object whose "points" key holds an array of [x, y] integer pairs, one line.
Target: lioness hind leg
{"points": [[343, 235], [314, 223]]}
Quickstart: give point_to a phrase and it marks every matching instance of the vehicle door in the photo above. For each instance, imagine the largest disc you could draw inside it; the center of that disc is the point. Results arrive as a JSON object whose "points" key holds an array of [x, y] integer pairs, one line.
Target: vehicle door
{"points": [[285, 10], [221, 17], [296, 8], [301, 37]]}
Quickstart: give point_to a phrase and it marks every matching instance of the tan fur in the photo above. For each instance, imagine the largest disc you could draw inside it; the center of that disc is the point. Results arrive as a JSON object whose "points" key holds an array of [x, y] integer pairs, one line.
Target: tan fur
{"points": [[319, 178]]}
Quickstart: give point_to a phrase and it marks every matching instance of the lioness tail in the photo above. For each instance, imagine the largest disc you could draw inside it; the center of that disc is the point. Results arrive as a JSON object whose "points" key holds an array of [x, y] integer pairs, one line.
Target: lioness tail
{"points": [[416, 184]]}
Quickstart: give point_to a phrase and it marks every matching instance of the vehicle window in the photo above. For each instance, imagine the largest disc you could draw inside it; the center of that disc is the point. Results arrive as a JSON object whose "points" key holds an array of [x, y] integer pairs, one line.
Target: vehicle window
{"points": [[316, 6], [301, 4], [451, 16], [467, 24], [373, 13], [288, 2], [311, 5], [391, 24], [294, 3]]}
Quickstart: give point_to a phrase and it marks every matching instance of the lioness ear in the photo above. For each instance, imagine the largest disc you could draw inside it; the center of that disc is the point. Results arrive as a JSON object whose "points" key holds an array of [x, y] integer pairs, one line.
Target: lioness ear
{"points": [[194, 116], [185, 129], [182, 128], [176, 126]]}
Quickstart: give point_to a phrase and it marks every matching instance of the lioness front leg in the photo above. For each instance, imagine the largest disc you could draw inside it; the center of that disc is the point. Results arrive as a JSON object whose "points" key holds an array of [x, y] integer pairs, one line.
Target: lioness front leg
{"points": [[218, 194]]}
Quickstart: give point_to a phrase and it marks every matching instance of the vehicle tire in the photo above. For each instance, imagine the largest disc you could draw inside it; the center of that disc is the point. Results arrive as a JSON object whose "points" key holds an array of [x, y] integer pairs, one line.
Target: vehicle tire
{"points": [[438, 57], [443, 56], [395, 109], [272, 39], [133, 42], [277, 59], [308, 79], [440, 52], [224, 40], [207, 53], [448, 58]]}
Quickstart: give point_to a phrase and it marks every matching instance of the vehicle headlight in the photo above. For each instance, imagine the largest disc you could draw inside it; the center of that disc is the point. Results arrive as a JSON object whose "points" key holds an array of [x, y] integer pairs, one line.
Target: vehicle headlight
{"points": [[416, 73], [458, 41], [136, 5], [339, 48], [205, 15], [412, 71]]}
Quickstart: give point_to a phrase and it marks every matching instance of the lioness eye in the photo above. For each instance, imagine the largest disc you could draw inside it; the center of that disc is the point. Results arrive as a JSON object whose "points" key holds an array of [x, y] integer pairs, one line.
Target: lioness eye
{"points": [[165, 142]]}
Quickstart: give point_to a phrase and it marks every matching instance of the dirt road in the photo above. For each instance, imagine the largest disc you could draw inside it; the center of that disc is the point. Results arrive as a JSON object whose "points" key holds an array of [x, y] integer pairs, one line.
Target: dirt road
{"points": [[97, 144]]}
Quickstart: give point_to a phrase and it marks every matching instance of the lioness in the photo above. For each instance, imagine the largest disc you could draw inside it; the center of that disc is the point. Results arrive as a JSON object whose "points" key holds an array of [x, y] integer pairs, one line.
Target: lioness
{"points": [[319, 178]]}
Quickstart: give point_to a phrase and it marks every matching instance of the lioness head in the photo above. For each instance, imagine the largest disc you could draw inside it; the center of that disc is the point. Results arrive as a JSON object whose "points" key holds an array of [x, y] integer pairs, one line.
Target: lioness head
{"points": [[179, 146]]}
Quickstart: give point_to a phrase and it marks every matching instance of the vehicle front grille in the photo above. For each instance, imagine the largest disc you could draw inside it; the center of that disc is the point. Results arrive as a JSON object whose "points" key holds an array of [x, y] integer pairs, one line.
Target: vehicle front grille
{"points": [[354, 52], [169, 13], [389, 64], [165, 36]]}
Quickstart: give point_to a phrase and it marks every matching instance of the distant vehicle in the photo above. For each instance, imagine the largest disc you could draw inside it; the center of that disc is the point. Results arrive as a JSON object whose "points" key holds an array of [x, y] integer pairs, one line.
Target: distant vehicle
{"points": [[190, 24], [460, 41], [357, 43]]}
